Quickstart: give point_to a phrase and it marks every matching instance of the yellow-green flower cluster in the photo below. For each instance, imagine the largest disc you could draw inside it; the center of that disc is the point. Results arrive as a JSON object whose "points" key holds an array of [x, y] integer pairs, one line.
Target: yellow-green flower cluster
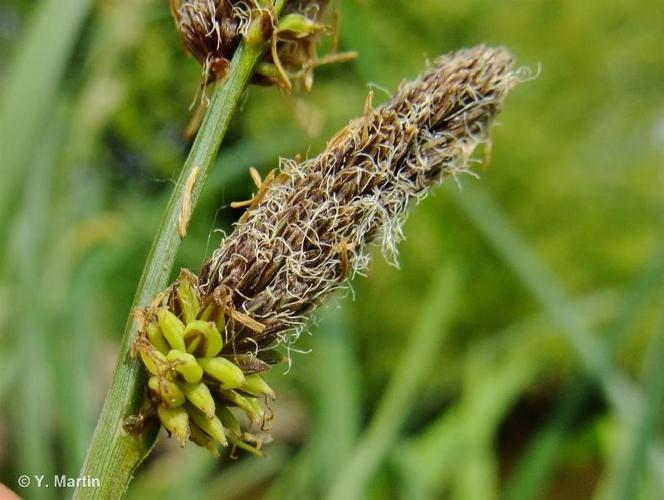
{"points": [[201, 391]]}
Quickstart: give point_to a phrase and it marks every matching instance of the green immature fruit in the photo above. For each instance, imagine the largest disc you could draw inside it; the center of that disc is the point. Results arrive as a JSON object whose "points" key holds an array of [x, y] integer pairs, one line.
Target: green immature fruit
{"points": [[223, 371], [202, 338], [167, 391], [157, 338], [255, 385], [155, 362], [199, 396], [230, 423], [299, 26], [176, 420], [212, 426], [268, 71], [248, 405], [187, 298], [172, 328], [213, 313], [203, 440], [185, 364], [192, 385]]}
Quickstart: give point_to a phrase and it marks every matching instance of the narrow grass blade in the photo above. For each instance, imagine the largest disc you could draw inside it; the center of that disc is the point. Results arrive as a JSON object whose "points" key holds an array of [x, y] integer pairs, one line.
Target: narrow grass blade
{"points": [[649, 280], [457, 446], [240, 479], [629, 467], [429, 461], [73, 366], [537, 464], [621, 393], [336, 389], [497, 229], [490, 392], [400, 395], [30, 87], [30, 400]]}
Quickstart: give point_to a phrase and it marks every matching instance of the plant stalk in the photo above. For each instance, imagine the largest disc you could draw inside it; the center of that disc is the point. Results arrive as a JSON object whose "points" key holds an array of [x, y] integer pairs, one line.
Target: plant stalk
{"points": [[114, 454]]}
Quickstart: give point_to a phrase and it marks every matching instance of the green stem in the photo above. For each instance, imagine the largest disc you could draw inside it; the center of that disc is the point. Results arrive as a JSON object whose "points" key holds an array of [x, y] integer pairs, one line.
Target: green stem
{"points": [[114, 454]]}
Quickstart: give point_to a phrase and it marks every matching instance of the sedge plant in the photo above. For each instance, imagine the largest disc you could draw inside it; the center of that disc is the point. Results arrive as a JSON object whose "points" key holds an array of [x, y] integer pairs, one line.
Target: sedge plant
{"points": [[194, 352]]}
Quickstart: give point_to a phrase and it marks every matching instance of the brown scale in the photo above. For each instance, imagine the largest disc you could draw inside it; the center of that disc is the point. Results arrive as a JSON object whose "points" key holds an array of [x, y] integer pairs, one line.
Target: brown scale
{"points": [[209, 30]]}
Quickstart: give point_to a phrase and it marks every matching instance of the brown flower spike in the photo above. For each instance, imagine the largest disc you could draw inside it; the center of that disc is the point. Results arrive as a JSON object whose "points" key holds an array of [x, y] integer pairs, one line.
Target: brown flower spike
{"points": [[309, 227], [305, 232], [211, 31]]}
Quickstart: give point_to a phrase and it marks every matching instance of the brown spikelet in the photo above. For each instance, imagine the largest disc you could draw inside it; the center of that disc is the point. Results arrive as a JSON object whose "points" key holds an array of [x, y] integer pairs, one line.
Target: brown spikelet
{"points": [[211, 31], [311, 229]]}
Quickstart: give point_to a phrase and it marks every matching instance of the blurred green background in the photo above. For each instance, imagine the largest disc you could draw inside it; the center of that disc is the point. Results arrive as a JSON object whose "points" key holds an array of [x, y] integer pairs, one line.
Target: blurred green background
{"points": [[517, 353]]}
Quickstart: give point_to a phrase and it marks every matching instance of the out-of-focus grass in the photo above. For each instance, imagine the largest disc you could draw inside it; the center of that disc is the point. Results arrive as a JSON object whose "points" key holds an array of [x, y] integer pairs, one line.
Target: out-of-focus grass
{"points": [[32, 399], [334, 392], [624, 478], [248, 476], [627, 399], [454, 452], [30, 88], [537, 463], [402, 392], [336, 388], [593, 354], [172, 477]]}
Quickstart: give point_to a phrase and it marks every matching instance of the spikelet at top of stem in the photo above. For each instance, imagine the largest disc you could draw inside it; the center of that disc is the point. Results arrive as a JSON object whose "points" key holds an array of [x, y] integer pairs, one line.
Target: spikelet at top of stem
{"points": [[309, 230]]}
